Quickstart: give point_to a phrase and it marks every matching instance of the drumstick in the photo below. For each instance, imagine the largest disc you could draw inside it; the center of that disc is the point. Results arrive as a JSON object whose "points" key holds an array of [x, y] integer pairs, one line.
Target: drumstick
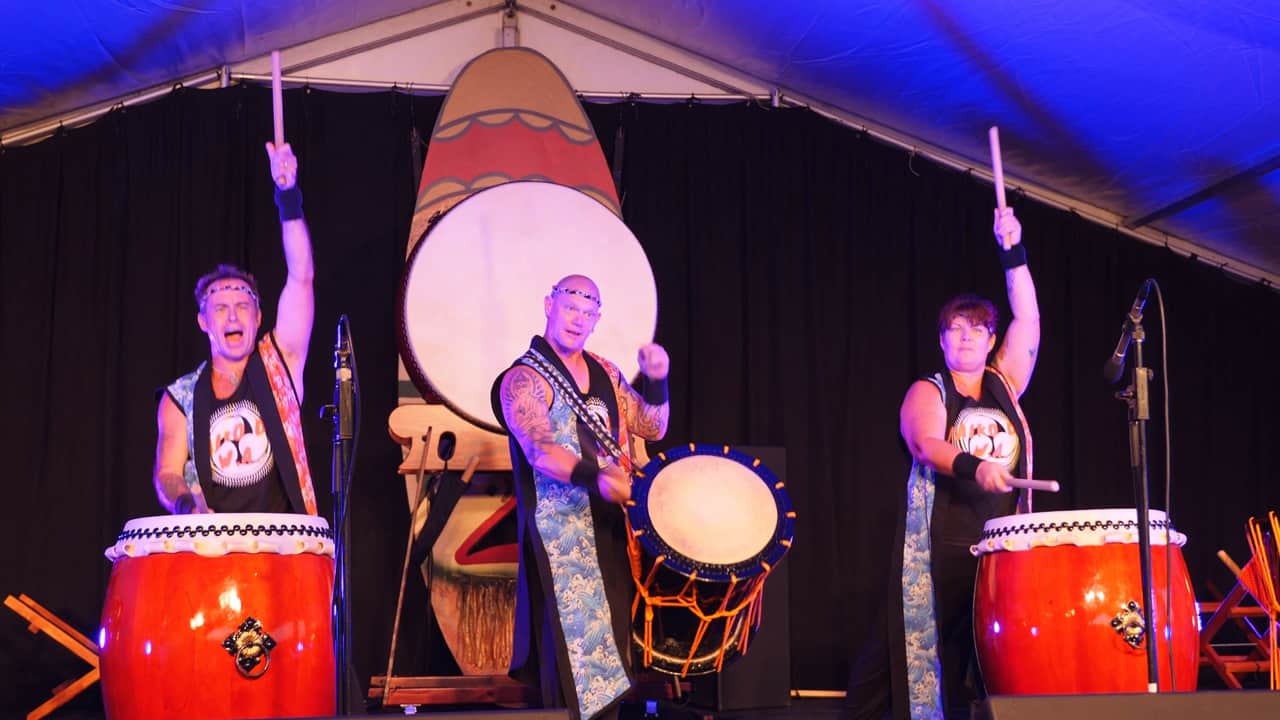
{"points": [[408, 549], [197, 496], [997, 171], [277, 101], [1029, 484], [1231, 564], [470, 470]]}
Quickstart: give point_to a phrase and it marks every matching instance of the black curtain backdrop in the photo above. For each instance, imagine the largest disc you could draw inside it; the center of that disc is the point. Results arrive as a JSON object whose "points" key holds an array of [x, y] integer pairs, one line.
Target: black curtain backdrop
{"points": [[800, 266]]}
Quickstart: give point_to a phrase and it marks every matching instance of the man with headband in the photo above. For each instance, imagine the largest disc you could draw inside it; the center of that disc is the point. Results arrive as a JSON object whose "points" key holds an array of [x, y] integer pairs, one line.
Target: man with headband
{"points": [[570, 414], [230, 432]]}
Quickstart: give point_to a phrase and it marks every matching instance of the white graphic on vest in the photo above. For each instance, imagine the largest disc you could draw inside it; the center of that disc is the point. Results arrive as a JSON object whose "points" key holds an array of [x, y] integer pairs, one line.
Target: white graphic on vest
{"points": [[596, 406], [238, 447], [987, 434]]}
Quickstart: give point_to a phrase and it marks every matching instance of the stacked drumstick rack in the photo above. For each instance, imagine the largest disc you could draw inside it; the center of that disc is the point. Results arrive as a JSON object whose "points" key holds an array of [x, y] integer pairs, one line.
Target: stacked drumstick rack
{"points": [[1256, 580]]}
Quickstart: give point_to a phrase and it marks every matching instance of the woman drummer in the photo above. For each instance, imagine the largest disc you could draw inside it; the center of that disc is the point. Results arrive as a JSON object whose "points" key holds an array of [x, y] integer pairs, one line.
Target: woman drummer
{"points": [[968, 441]]}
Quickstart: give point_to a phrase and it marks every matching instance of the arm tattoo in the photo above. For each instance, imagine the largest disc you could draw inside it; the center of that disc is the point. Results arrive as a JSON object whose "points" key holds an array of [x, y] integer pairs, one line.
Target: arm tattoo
{"points": [[525, 406], [647, 421]]}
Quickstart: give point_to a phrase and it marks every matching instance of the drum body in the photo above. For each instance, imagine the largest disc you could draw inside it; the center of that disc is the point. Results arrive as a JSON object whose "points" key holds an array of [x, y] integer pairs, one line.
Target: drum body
{"points": [[1057, 605], [219, 616], [707, 524]]}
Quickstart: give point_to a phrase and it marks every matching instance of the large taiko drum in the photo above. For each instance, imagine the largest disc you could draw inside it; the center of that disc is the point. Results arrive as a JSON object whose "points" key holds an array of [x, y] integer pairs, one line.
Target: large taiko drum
{"points": [[219, 616], [1058, 605], [707, 524], [471, 294]]}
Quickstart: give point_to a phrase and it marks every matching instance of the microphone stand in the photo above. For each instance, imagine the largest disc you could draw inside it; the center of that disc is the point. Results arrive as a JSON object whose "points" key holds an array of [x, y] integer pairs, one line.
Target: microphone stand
{"points": [[1137, 398], [343, 414]]}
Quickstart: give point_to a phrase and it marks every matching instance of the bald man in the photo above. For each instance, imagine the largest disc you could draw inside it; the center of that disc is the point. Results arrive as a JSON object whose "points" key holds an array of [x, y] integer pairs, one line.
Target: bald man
{"points": [[570, 415]]}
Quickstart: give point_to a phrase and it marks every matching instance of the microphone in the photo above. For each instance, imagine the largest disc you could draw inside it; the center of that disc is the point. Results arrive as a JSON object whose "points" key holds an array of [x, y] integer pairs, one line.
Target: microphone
{"points": [[448, 441], [343, 389], [1114, 367]]}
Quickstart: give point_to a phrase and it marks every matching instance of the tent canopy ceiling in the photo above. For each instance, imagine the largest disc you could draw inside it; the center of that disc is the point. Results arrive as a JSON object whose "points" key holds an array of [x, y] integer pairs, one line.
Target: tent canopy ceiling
{"points": [[1165, 113]]}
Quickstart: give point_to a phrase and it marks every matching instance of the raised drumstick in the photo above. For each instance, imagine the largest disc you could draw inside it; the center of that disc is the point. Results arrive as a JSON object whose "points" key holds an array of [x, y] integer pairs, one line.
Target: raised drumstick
{"points": [[997, 171], [277, 101]]}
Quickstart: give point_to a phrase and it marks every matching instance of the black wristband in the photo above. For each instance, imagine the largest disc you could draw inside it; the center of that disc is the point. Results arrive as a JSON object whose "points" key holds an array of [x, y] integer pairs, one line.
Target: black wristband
{"points": [[1015, 256], [184, 505], [655, 391], [965, 467], [290, 203], [585, 473]]}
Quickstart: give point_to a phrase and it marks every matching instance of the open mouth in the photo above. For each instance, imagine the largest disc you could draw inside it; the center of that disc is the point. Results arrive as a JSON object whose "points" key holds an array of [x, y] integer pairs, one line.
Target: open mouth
{"points": [[234, 336]]}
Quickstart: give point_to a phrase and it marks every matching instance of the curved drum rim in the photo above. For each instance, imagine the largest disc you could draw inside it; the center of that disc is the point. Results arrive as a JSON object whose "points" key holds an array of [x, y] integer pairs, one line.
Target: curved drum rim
{"points": [[474, 404], [1027, 531], [643, 530], [214, 534]]}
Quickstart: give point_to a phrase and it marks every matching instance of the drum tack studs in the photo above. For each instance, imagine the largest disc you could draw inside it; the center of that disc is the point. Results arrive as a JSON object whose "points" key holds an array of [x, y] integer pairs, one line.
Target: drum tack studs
{"points": [[693, 448], [756, 463], [726, 450]]}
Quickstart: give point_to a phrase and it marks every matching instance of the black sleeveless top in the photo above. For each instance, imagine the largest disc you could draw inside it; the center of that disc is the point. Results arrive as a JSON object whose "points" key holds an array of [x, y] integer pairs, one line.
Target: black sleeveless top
{"points": [[243, 476], [989, 428]]}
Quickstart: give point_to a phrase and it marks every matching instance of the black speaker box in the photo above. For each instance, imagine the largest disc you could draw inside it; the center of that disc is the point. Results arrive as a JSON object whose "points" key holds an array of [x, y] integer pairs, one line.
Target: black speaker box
{"points": [[762, 677], [1131, 706]]}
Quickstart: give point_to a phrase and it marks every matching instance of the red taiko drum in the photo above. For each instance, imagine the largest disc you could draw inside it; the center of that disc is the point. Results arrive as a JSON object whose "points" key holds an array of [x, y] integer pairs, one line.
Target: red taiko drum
{"points": [[1058, 606], [219, 616]]}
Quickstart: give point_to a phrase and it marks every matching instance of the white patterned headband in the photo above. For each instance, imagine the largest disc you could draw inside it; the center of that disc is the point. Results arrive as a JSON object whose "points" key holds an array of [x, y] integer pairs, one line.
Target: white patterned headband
{"points": [[231, 285], [579, 293]]}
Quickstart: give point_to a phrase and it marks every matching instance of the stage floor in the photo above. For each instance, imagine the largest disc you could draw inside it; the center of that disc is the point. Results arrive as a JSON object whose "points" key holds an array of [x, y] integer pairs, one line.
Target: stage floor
{"points": [[88, 706], [806, 708]]}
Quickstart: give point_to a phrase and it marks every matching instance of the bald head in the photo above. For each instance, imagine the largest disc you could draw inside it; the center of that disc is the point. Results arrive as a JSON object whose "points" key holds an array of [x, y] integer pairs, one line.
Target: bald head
{"points": [[572, 309], [579, 286]]}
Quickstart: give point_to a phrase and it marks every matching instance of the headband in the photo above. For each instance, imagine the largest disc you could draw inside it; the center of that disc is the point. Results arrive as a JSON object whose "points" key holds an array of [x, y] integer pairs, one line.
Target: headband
{"points": [[231, 284], [579, 293]]}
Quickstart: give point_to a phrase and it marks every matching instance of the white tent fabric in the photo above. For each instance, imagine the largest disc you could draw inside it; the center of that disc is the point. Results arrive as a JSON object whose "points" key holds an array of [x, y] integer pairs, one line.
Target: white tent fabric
{"points": [[1159, 116]]}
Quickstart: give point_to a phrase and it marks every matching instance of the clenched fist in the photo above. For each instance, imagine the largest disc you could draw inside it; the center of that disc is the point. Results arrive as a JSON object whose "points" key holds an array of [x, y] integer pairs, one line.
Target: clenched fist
{"points": [[654, 363]]}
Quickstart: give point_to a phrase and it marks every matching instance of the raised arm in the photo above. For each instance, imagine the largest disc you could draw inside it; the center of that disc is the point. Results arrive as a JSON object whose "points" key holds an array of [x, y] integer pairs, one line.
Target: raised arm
{"points": [[922, 421], [295, 310], [647, 415], [1016, 357]]}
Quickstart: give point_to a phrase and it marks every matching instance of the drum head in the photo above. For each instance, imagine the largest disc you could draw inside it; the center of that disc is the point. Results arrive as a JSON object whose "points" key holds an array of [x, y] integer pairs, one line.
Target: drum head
{"points": [[712, 510], [472, 291]]}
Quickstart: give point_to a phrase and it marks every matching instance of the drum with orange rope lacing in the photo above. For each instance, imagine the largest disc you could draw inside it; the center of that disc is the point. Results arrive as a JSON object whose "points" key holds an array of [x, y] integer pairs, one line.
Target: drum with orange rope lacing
{"points": [[706, 525]]}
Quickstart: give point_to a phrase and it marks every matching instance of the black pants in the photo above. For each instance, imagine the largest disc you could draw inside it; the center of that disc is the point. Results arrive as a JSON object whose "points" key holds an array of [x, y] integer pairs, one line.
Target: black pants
{"points": [[870, 691]]}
